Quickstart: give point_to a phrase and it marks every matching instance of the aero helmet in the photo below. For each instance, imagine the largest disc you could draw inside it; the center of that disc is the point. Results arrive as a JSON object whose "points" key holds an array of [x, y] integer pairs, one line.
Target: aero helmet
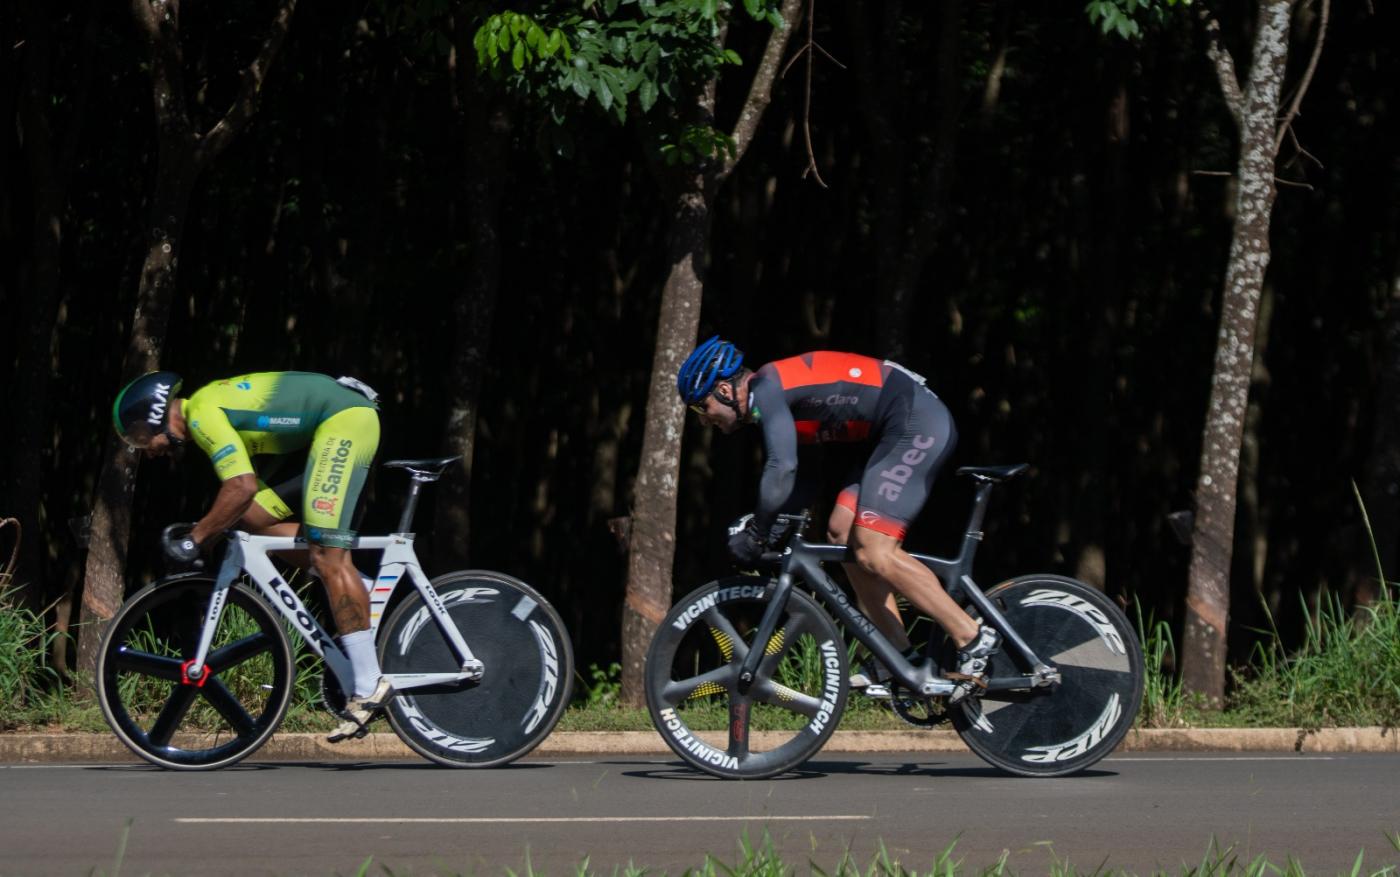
{"points": [[142, 407], [711, 362]]}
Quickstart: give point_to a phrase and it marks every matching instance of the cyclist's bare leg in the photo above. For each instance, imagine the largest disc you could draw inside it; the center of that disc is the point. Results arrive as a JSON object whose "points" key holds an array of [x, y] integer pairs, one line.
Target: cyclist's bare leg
{"points": [[876, 597], [260, 522], [348, 597], [885, 558]]}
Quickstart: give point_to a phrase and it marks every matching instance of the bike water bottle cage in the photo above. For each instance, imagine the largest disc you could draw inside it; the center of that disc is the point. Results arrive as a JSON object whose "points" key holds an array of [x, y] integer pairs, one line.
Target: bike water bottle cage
{"points": [[713, 361], [141, 410]]}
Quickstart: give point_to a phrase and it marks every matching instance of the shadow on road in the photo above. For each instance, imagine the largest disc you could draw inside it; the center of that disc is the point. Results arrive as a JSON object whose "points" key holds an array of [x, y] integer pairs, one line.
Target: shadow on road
{"points": [[818, 769], [335, 766]]}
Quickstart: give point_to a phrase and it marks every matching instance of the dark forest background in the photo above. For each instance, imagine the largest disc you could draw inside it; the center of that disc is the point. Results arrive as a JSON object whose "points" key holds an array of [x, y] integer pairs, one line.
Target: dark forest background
{"points": [[1066, 310]]}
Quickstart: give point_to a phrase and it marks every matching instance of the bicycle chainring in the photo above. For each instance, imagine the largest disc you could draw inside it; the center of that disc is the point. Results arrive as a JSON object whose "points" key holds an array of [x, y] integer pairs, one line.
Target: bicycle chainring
{"points": [[332, 697], [917, 710]]}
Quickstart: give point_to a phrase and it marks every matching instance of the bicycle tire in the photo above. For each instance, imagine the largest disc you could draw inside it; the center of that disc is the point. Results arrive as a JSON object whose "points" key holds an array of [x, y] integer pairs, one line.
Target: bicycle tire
{"points": [[1086, 637], [793, 705], [529, 662], [179, 725]]}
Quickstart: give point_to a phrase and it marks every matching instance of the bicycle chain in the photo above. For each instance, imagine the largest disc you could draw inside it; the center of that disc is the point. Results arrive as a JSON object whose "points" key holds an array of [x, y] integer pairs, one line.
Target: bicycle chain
{"points": [[920, 712]]}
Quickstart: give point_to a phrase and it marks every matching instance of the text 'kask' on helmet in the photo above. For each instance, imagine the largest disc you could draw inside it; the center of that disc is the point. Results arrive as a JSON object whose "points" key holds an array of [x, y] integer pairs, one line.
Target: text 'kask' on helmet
{"points": [[142, 408]]}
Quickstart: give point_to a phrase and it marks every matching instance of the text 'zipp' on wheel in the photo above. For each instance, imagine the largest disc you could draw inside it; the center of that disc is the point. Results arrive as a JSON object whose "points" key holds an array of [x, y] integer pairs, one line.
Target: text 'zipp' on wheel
{"points": [[694, 692], [1086, 637], [520, 697]]}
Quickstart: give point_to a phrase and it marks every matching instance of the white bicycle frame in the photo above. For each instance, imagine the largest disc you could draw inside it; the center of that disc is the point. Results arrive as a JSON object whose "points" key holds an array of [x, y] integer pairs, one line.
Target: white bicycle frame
{"points": [[248, 553]]}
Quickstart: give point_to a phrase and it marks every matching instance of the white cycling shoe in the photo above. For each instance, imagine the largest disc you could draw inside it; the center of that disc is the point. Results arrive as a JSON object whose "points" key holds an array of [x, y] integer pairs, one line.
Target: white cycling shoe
{"points": [[972, 663], [361, 711]]}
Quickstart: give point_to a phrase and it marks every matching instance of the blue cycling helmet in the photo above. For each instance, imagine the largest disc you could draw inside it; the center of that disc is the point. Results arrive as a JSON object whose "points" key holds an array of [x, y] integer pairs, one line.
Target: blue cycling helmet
{"points": [[711, 362]]}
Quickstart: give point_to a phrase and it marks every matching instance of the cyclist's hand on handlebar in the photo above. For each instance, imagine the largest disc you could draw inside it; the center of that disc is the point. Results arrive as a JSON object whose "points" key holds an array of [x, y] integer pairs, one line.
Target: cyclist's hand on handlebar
{"points": [[179, 546], [746, 544]]}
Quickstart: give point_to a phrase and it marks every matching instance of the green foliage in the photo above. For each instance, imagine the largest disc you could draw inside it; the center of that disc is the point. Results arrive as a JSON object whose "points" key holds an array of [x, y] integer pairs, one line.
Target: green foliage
{"points": [[1127, 17], [694, 143], [1347, 672], [602, 689], [1163, 701], [622, 57], [25, 674]]}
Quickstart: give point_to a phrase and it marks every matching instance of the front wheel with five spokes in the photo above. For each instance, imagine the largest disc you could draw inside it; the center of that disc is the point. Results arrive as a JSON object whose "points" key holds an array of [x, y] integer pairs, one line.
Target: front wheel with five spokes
{"points": [[769, 727], [175, 722]]}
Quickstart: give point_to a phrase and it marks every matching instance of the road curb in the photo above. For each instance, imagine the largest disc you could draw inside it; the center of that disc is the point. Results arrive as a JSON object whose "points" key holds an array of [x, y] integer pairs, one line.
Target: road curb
{"points": [[34, 748]]}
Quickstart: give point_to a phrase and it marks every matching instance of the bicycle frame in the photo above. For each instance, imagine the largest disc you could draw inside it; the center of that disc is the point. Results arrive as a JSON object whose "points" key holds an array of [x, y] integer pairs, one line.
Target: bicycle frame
{"points": [[803, 560], [248, 553]]}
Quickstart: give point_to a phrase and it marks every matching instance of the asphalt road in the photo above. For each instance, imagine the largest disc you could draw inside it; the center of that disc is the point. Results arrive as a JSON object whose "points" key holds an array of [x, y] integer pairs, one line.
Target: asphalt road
{"points": [[1135, 811]]}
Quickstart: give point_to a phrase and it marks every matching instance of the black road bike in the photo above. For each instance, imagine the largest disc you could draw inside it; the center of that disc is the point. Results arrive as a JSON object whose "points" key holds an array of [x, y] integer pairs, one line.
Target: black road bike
{"points": [[768, 657]]}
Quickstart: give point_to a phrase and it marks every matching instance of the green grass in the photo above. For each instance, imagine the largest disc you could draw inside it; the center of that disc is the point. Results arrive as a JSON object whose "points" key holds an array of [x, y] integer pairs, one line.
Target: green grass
{"points": [[28, 685], [763, 859]]}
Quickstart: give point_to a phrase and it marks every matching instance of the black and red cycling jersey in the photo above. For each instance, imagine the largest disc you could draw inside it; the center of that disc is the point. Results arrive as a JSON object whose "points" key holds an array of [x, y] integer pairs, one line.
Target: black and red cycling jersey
{"points": [[825, 396]]}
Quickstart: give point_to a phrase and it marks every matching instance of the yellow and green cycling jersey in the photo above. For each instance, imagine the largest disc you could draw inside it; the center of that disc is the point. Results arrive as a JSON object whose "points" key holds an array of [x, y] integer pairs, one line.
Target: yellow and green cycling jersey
{"points": [[276, 413]]}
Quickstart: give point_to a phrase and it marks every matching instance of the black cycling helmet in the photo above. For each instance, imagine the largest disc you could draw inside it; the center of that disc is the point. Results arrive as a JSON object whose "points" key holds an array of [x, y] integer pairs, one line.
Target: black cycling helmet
{"points": [[142, 409]]}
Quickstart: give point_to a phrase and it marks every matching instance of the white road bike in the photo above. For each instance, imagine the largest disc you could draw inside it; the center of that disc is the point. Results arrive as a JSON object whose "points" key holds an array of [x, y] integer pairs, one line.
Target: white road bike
{"points": [[196, 671]]}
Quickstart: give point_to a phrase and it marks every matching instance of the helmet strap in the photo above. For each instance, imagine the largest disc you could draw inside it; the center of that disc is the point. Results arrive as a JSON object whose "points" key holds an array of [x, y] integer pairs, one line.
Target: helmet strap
{"points": [[733, 400]]}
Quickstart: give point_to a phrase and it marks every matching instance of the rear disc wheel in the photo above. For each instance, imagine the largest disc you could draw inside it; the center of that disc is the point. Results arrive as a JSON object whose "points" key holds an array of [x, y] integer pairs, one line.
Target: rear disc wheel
{"points": [[520, 697], [1084, 635]]}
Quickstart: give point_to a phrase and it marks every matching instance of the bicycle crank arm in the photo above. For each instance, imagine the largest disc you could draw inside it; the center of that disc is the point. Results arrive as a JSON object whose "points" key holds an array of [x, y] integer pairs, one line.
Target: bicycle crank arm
{"points": [[1039, 679], [406, 681]]}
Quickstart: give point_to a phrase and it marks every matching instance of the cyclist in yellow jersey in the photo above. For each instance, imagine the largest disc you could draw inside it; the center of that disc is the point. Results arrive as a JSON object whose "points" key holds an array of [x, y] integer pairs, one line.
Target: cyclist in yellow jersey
{"points": [[274, 413]]}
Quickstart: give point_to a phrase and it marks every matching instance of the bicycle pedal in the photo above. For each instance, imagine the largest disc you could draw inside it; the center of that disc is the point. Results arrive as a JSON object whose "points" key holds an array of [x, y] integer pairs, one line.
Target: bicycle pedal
{"points": [[968, 686]]}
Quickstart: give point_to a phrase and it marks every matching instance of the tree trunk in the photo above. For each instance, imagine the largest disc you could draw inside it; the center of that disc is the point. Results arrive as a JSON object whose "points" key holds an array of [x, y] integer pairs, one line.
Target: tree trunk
{"points": [[652, 548], [909, 186], [1380, 488], [652, 544], [1212, 543], [488, 132], [182, 155], [49, 159], [104, 585]]}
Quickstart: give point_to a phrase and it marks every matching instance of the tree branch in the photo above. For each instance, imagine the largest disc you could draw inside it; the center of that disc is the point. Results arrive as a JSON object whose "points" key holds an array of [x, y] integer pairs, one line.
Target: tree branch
{"points": [[761, 89], [810, 49], [1224, 68], [254, 76], [1307, 77]]}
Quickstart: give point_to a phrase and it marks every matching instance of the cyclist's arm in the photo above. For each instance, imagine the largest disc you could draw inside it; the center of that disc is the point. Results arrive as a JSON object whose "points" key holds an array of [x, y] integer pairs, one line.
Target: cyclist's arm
{"points": [[213, 434], [234, 499], [780, 445]]}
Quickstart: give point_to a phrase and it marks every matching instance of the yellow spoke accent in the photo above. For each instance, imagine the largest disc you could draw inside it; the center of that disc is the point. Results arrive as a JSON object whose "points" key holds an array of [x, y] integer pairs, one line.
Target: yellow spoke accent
{"points": [[785, 693], [726, 647], [706, 689], [775, 643]]}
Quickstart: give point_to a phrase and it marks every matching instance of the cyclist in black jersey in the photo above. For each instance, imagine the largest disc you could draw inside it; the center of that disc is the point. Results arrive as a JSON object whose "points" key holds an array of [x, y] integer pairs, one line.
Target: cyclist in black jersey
{"points": [[335, 423], [823, 397]]}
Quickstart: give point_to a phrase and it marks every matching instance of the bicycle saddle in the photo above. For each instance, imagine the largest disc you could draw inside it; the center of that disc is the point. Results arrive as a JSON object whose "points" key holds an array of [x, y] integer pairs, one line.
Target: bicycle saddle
{"points": [[435, 465], [994, 473]]}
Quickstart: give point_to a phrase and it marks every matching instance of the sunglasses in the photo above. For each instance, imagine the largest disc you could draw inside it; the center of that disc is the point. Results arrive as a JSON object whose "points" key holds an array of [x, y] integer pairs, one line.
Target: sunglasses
{"points": [[697, 407]]}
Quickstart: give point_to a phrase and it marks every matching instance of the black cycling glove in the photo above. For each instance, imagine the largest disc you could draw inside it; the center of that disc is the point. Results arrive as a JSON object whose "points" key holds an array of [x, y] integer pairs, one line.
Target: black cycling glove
{"points": [[181, 549], [746, 546]]}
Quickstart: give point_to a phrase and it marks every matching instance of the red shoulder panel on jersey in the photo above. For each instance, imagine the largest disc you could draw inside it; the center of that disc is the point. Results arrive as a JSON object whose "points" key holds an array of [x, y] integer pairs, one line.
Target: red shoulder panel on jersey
{"points": [[828, 367]]}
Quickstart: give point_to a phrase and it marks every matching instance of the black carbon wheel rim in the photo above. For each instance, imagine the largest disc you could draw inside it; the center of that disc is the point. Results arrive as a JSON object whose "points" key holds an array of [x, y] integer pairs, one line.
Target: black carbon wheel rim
{"points": [[793, 705], [178, 725]]}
